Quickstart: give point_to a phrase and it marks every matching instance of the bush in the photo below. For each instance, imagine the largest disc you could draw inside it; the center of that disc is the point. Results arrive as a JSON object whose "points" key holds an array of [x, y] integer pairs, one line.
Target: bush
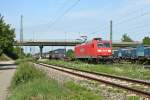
{"points": [[44, 89], [3, 57], [30, 83], [37, 89], [24, 60], [25, 72], [70, 54]]}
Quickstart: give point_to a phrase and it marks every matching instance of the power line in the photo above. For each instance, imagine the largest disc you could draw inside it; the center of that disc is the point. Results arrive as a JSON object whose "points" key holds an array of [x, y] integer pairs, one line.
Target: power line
{"points": [[102, 29], [61, 8], [62, 15], [140, 11], [142, 14], [57, 11], [138, 27], [133, 18], [123, 16]]}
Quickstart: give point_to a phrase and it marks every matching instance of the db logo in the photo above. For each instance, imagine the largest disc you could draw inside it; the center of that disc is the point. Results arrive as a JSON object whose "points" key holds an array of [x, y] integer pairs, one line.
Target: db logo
{"points": [[104, 50]]}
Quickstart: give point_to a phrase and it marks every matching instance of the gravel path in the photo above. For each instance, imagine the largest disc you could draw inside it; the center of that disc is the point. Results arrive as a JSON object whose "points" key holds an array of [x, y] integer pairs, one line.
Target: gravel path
{"points": [[5, 78]]}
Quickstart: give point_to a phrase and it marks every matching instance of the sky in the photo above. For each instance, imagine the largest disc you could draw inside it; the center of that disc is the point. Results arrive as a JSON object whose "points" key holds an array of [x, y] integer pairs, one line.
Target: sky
{"points": [[71, 19]]}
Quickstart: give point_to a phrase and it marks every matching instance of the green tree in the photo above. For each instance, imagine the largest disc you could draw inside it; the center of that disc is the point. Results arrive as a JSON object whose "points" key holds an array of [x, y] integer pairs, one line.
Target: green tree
{"points": [[18, 52], [70, 54], [146, 40], [7, 35], [126, 38]]}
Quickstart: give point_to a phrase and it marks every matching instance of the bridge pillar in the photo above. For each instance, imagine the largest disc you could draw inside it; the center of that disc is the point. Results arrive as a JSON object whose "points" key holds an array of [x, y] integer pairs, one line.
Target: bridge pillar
{"points": [[41, 51]]}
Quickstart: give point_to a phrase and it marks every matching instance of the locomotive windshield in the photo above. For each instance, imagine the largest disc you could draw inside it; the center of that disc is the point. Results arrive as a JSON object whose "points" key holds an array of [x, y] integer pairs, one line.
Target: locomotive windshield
{"points": [[103, 45]]}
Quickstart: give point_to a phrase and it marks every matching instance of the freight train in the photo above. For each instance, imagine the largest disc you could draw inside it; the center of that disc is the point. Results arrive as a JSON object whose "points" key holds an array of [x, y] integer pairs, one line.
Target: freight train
{"points": [[57, 54], [139, 54], [99, 50]]}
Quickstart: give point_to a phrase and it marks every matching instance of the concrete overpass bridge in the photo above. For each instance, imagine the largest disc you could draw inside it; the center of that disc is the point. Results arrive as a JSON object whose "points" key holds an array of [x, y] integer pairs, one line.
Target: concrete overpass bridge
{"points": [[47, 43], [42, 43], [69, 43]]}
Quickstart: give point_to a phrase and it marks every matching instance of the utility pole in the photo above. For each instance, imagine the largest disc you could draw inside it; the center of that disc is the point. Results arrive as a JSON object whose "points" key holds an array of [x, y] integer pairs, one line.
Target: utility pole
{"points": [[111, 30], [21, 35], [21, 30], [34, 46], [65, 41]]}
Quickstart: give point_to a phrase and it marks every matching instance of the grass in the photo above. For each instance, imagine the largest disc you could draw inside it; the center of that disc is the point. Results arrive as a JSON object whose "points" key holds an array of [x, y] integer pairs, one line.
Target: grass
{"points": [[128, 70], [24, 60], [133, 98], [42, 89], [25, 72], [3, 58], [29, 83]]}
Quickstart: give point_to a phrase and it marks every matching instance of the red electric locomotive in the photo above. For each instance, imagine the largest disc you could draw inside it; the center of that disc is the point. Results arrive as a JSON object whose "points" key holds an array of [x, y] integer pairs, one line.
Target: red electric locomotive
{"points": [[95, 49]]}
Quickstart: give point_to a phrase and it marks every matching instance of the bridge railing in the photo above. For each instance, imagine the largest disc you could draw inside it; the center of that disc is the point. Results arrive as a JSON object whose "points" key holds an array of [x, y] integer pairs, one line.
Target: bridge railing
{"points": [[52, 40], [70, 40]]}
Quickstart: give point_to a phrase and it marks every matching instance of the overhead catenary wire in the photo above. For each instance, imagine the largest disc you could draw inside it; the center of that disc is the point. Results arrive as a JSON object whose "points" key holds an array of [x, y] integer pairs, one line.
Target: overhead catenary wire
{"points": [[134, 29], [141, 14], [133, 18], [120, 21], [55, 15], [60, 9], [62, 15], [137, 28], [139, 11]]}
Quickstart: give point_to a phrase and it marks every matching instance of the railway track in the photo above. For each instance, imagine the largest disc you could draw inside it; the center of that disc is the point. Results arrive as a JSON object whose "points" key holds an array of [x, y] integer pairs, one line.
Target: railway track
{"points": [[138, 87]]}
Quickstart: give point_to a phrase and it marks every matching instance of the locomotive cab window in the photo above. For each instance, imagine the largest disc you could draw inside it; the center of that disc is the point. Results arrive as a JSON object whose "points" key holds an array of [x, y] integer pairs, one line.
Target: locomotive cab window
{"points": [[100, 45], [103, 45], [106, 45]]}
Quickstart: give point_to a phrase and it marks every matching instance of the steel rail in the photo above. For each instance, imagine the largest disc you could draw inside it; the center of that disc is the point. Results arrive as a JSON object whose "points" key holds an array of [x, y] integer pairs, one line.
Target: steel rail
{"points": [[6, 68], [111, 76], [136, 91]]}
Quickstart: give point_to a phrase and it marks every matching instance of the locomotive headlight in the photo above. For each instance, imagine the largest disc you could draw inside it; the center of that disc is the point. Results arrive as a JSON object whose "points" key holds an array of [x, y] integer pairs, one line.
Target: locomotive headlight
{"points": [[109, 50], [99, 50]]}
